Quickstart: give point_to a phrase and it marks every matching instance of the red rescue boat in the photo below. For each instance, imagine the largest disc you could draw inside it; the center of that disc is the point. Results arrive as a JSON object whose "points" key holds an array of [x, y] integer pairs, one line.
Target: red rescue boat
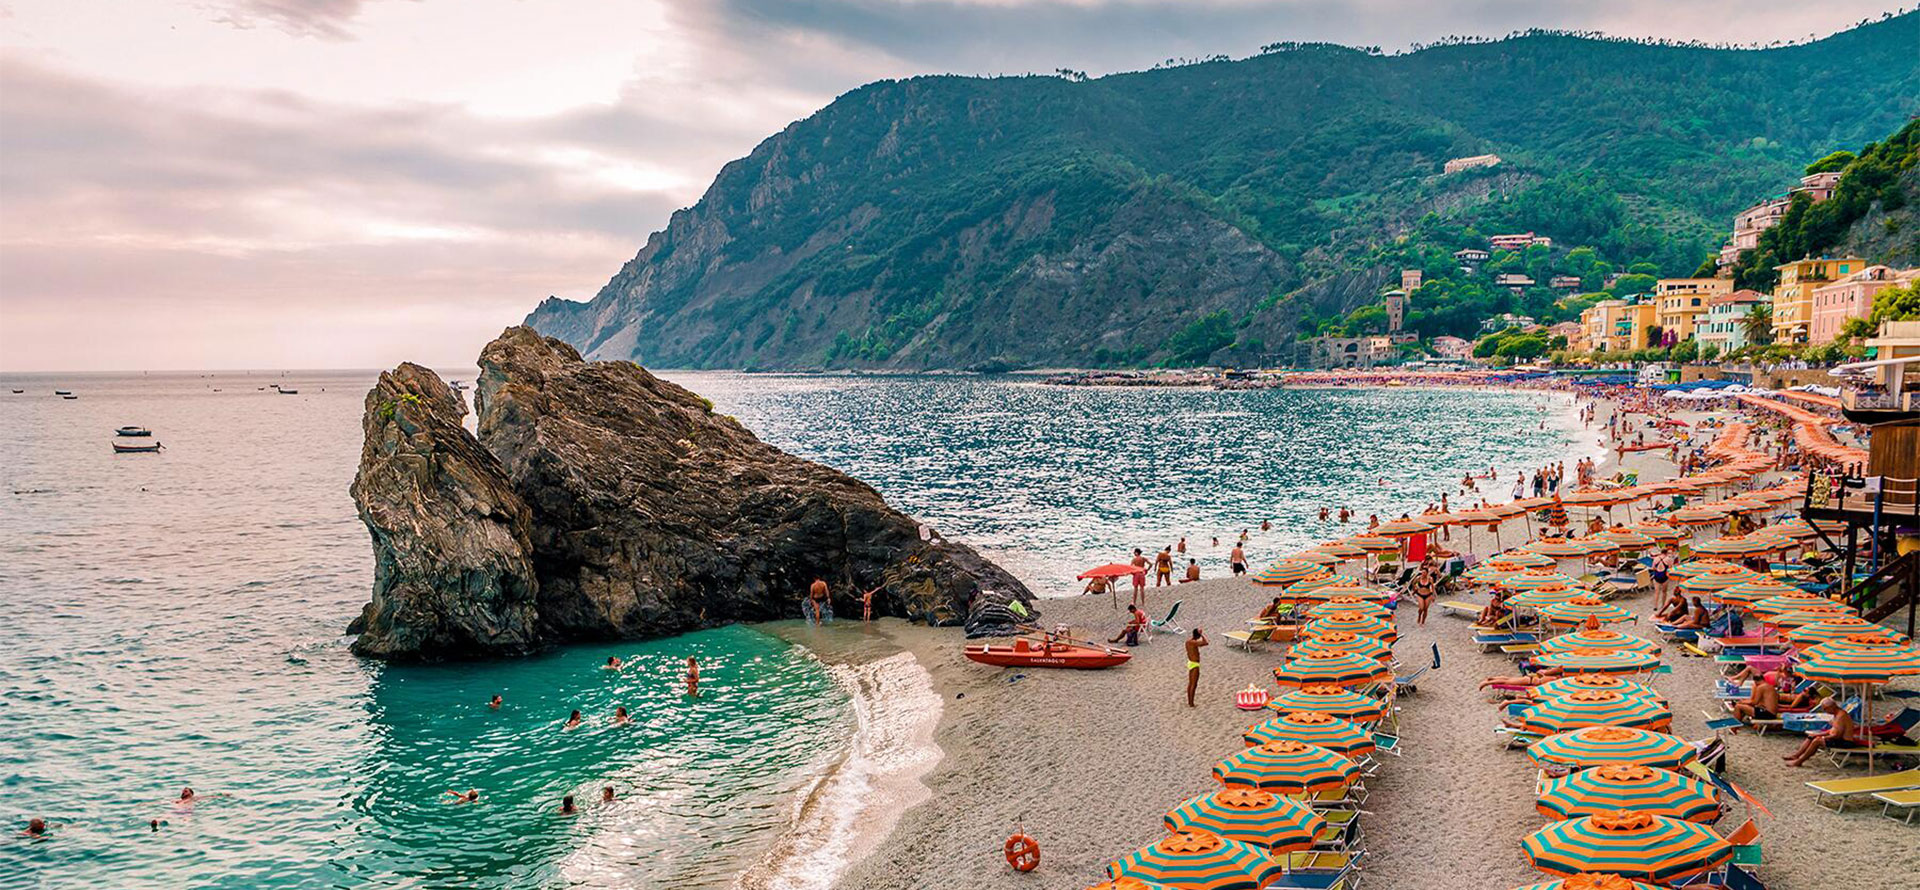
{"points": [[1048, 653]]}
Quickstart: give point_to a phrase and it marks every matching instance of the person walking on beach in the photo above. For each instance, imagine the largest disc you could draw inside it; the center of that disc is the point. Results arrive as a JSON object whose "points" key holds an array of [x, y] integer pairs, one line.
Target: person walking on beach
{"points": [[1194, 643], [1163, 568], [1139, 577], [818, 606], [1238, 560]]}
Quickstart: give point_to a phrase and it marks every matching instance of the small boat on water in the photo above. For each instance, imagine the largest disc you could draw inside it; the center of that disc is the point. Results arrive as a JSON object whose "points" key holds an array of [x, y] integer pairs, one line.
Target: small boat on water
{"points": [[1048, 652], [18, 391], [63, 392], [121, 448], [69, 397], [286, 392], [133, 431]]}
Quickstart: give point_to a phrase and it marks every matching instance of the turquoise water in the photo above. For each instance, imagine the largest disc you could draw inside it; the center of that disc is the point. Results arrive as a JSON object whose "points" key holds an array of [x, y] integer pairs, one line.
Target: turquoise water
{"points": [[174, 619]]}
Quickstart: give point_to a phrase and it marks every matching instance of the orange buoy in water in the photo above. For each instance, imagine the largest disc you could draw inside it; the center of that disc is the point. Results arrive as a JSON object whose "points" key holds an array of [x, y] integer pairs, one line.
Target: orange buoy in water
{"points": [[1023, 853]]}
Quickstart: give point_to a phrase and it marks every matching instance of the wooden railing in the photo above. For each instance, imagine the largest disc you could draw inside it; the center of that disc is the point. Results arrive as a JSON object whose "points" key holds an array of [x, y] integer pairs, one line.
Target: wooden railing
{"points": [[1897, 499], [1893, 585]]}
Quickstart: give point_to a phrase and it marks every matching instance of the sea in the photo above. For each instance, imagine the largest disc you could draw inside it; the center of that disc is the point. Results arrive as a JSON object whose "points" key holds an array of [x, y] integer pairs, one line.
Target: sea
{"points": [[175, 620]]}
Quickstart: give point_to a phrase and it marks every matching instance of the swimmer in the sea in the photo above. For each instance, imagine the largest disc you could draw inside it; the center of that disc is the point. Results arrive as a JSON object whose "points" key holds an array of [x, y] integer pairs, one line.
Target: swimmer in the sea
{"points": [[613, 663], [496, 702], [468, 796], [606, 794], [620, 717], [36, 827], [566, 806], [573, 721]]}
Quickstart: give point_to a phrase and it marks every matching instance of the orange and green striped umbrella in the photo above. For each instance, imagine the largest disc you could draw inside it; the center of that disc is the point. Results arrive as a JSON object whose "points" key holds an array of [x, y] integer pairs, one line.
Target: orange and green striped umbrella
{"points": [[1366, 625], [1738, 545], [1313, 728], [1130, 884], [1579, 609], [1374, 543], [1332, 700], [1694, 567], [1840, 627], [1345, 604], [1333, 668], [1628, 539], [1488, 572], [1640, 846], [1342, 549], [1796, 601], [1588, 682], [1342, 641], [1321, 589], [1266, 820], [1629, 786], [1286, 572], [1317, 557], [1287, 768], [1601, 745], [1599, 639], [1859, 659], [1602, 497], [1746, 593], [1659, 531], [1401, 528], [1582, 881], [1798, 529], [1199, 860], [1470, 518], [1524, 559], [1558, 547], [1693, 516], [1547, 595], [1528, 579], [1594, 707], [1595, 545], [1821, 615], [1599, 661], [1719, 577]]}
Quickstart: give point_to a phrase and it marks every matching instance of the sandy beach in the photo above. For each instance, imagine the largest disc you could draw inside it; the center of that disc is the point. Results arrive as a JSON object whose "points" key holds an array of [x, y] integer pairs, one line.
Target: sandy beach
{"points": [[1087, 762]]}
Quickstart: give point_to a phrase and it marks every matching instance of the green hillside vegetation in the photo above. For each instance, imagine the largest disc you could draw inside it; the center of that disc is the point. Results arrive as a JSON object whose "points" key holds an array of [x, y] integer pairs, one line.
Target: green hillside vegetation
{"points": [[1878, 177], [1197, 214]]}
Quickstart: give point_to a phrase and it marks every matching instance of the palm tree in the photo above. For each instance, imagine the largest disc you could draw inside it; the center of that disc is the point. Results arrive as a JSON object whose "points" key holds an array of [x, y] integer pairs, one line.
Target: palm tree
{"points": [[1758, 325]]}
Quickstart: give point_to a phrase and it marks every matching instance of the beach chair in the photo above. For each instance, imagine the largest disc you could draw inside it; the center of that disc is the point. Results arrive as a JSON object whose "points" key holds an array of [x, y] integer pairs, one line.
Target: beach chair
{"points": [[1318, 870], [1890, 740], [1247, 639], [1907, 801], [1404, 684], [1491, 641], [1342, 832], [1166, 625], [1456, 607], [1839, 790]]}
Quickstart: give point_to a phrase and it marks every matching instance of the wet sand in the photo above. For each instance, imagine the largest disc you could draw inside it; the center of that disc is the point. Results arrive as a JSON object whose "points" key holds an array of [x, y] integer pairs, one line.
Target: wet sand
{"points": [[1087, 762]]}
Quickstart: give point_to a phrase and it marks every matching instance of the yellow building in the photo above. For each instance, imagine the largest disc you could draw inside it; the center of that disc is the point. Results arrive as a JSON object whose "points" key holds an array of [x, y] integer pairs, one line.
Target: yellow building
{"points": [[1682, 302], [1793, 296], [1617, 325]]}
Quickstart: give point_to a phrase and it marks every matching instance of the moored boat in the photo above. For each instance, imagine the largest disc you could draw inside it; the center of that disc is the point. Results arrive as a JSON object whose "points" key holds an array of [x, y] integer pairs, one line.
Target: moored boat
{"points": [[1048, 653], [63, 392], [287, 392], [120, 448], [138, 431]]}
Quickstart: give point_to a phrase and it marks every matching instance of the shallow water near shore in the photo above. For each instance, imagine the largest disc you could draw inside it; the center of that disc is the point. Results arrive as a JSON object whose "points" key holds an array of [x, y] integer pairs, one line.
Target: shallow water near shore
{"points": [[175, 620]]}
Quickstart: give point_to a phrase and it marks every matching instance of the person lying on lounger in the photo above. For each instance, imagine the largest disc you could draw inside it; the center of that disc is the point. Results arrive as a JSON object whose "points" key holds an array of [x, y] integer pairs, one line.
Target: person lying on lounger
{"points": [[1767, 702], [1534, 679]]}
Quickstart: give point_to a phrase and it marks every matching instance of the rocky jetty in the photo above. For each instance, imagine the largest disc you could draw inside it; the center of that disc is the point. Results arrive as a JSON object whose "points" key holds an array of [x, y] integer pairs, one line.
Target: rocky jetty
{"points": [[453, 555], [647, 514]]}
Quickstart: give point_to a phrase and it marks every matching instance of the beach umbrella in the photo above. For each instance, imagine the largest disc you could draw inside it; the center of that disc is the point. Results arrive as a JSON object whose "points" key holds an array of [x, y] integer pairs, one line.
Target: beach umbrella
{"points": [[1659, 531], [1314, 728], [1600, 497], [1747, 593], [1595, 545], [1859, 659], [1601, 745], [1112, 570], [1333, 700], [1718, 578], [1738, 545], [1487, 573], [1696, 516], [1694, 567], [1356, 624], [1598, 639], [1402, 528], [1320, 558], [1639, 846], [1131, 884], [1579, 609], [1287, 768], [1560, 548], [1344, 641], [1599, 661], [1342, 549], [1546, 596], [1286, 572], [1628, 786], [1795, 600], [1819, 615], [1374, 544], [1840, 627], [1522, 559], [1530, 579], [1593, 707], [1628, 539], [1348, 605], [1199, 860], [1339, 585], [1588, 682], [1798, 529], [1332, 668], [1261, 818], [1581, 881]]}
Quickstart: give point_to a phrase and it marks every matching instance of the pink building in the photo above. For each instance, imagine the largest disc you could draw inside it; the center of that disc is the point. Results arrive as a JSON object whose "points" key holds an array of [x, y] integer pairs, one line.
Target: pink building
{"points": [[1852, 297]]}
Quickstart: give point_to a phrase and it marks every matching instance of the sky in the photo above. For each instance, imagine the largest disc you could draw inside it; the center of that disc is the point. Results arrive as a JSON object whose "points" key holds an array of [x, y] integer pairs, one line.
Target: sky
{"points": [[214, 184]]}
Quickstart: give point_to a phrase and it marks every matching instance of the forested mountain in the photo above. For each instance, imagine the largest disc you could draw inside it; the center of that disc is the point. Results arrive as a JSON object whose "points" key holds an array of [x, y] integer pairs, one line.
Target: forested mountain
{"points": [[1215, 211]]}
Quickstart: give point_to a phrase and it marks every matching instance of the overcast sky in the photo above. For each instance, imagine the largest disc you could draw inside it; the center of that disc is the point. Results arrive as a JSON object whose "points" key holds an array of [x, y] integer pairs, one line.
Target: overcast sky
{"points": [[351, 183]]}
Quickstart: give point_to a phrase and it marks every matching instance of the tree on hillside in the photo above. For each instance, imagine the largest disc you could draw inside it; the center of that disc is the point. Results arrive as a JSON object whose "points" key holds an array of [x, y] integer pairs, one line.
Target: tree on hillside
{"points": [[1636, 283], [1891, 304], [1758, 325], [1835, 161]]}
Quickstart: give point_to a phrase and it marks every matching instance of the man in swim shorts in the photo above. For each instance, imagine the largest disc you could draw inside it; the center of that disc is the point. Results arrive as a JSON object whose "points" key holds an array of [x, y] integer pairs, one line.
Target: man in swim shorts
{"points": [[818, 606], [1194, 643]]}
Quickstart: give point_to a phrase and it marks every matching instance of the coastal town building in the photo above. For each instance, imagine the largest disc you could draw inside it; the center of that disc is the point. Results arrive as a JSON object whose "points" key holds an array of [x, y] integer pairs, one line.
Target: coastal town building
{"points": [[1617, 325], [1793, 296], [1506, 320], [1564, 282], [1725, 324], [1576, 336], [1513, 281], [1410, 280], [1470, 257], [1395, 302], [1749, 223], [1851, 296], [1681, 302], [1350, 352], [1520, 241], [1458, 164], [1452, 347]]}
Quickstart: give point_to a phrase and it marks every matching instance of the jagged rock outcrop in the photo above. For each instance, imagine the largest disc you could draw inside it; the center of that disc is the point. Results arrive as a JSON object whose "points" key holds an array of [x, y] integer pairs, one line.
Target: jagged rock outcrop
{"points": [[654, 515], [453, 556], [601, 502]]}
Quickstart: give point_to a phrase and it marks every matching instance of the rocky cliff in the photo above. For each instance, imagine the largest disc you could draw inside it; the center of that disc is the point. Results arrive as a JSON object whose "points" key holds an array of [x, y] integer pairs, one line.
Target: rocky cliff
{"points": [[453, 570], [602, 502]]}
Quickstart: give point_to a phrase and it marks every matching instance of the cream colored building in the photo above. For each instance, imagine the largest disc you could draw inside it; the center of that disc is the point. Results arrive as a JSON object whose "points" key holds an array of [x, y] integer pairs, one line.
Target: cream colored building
{"points": [[1682, 302]]}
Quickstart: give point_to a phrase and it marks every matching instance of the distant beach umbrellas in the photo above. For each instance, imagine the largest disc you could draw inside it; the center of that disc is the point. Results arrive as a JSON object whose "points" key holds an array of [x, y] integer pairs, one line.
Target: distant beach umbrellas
{"points": [[1341, 604], [1696, 516], [1317, 557], [1605, 789], [1746, 593], [1288, 571], [1716, 578], [1636, 845], [1817, 615], [1598, 639], [1627, 539], [1593, 707], [1579, 609], [1374, 544], [1314, 728], [1333, 700], [1333, 668], [1840, 627], [1266, 820], [1402, 528], [1287, 768], [1199, 860], [1694, 567], [1342, 549], [1529, 579], [1599, 661], [1739, 545], [1799, 601], [1659, 531], [1600, 745], [1559, 548], [1524, 559], [1546, 595]]}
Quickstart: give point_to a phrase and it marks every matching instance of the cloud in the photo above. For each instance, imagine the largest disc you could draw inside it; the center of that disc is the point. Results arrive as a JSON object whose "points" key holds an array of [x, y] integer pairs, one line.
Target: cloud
{"points": [[324, 19]]}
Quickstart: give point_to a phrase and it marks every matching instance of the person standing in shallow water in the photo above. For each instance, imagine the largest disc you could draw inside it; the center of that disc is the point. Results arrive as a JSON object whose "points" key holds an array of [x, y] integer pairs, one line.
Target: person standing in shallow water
{"points": [[693, 677], [1194, 643], [1237, 560], [818, 606]]}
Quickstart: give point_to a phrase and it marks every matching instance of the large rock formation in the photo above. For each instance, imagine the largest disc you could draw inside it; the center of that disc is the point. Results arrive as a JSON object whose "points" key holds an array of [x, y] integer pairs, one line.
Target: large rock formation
{"points": [[607, 503], [453, 558]]}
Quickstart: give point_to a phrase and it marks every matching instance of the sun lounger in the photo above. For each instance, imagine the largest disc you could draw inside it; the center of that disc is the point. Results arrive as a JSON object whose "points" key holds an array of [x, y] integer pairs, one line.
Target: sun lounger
{"points": [[1405, 684], [1676, 632], [1839, 790], [1318, 870], [1166, 625], [1247, 639], [1490, 642], [1520, 649], [1455, 607], [1907, 801]]}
